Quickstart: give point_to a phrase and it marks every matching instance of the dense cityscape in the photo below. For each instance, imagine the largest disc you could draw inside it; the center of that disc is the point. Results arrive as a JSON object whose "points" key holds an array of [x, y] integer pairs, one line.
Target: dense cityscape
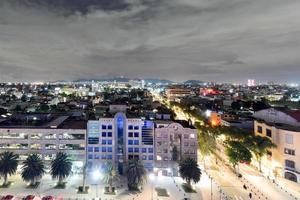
{"points": [[157, 139], [149, 100]]}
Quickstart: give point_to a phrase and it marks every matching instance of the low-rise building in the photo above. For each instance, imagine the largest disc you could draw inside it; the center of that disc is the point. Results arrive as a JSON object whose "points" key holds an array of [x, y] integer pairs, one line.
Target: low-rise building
{"points": [[282, 127], [174, 141], [45, 135]]}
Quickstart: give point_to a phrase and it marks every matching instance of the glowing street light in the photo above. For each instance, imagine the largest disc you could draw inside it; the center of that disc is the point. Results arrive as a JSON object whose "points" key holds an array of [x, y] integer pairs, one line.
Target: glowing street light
{"points": [[97, 176], [151, 177]]}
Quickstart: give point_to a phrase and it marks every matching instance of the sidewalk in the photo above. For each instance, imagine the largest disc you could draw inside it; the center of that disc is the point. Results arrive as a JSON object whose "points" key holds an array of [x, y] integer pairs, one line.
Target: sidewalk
{"points": [[263, 186]]}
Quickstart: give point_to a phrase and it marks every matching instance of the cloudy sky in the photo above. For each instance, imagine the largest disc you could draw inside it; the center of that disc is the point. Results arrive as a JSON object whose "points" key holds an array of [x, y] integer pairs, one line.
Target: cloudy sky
{"points": [[211, 40]]}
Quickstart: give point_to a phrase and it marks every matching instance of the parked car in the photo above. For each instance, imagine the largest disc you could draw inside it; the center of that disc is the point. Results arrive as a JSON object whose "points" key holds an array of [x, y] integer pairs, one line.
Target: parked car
{"points": [[8, 197], [48, 198], [29, 197]]}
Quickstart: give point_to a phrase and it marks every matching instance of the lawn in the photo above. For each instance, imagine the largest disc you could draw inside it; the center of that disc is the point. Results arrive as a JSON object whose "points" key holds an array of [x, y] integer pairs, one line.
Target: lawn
{"points": [[187, 188], [161, 192]]}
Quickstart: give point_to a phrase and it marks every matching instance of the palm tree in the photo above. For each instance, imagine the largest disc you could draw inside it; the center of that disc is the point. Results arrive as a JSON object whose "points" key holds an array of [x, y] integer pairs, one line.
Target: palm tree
{"points": [[136, 174], [8, 165], [109, 175], [259, 146], [190, 171], [33, 169], [61, 167]]}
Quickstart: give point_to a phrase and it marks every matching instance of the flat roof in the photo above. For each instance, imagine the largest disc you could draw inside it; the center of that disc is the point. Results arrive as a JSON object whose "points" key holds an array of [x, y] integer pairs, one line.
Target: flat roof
{"points": [[46, 121]]}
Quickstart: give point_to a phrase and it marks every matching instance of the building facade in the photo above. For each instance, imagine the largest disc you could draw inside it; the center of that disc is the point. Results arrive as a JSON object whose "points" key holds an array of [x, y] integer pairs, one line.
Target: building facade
{"points": [[281, 127], [119, 139], [173, 142], [46, 140]]}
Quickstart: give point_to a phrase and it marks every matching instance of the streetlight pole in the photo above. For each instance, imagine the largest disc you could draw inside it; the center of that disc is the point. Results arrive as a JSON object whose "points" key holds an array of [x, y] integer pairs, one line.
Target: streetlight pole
{"points": [[97, 176], [211, 192], [152, 177]]}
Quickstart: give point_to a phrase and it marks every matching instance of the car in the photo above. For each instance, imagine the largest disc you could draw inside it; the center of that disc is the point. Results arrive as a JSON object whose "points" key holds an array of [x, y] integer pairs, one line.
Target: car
{"points": [[29, 197], [48, 198], [8, 197]]}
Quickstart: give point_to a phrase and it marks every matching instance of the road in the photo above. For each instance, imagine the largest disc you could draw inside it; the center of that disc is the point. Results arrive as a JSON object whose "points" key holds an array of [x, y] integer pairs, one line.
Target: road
{"points": [[225, 178]]}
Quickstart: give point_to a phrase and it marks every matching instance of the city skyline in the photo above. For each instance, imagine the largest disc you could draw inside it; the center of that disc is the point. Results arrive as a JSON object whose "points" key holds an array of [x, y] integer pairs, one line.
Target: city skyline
{"points": [[177, 40]]}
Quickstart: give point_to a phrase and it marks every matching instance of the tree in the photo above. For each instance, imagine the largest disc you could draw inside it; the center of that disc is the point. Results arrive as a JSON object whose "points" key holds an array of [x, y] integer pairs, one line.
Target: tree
{"points": [[259, 146], [18, 108], [189, 171], [237, 152], [61, 167], [136, 174], [8, 165], [206, 141], [260, 105], [236, 105], [24, 98], [33, 169], [110, 175]]}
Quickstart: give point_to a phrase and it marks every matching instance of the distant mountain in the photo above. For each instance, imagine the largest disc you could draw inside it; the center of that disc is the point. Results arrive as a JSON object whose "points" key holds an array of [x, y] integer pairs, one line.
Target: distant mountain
{"points": [[125, 79], [193, 82], [162, 81], [109, 79]]}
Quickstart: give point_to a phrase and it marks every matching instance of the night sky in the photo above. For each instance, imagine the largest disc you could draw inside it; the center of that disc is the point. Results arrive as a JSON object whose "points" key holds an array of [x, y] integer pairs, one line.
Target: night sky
{"points": [[210, 40]]}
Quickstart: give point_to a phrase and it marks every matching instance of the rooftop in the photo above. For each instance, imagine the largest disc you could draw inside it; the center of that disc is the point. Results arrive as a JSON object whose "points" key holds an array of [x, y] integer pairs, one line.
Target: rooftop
{"points": [[43, 121]]}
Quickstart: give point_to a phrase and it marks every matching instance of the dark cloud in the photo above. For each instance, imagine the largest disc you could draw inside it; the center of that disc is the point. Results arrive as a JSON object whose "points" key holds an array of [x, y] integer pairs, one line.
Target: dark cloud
{"points": [[218, 40]]}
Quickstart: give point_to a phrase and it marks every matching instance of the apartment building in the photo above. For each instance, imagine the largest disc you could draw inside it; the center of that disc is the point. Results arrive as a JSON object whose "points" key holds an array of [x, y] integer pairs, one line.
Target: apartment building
{"points": [[173, 141], [119, 139], [283, 128], [174, 94], [44, 134]]}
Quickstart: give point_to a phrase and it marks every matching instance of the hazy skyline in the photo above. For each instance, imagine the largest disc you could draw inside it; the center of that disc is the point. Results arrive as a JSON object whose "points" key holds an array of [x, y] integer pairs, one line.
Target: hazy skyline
{"points": [[210, 40]]}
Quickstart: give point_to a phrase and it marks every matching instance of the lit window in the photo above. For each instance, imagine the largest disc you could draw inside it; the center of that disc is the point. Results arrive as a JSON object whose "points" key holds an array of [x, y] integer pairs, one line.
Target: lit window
{"points": [[150, 150], [90, 149], [192, 136], [289, 151]]}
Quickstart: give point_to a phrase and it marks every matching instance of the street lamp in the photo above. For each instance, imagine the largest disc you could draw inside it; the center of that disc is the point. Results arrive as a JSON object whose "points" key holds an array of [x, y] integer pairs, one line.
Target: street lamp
{"points": [[97, 176], [152, 177], [211, 192]]}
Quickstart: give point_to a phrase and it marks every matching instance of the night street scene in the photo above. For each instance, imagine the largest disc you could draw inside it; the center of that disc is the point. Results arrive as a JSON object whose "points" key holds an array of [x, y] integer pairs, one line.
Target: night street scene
{"points": [[149, 100]]}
